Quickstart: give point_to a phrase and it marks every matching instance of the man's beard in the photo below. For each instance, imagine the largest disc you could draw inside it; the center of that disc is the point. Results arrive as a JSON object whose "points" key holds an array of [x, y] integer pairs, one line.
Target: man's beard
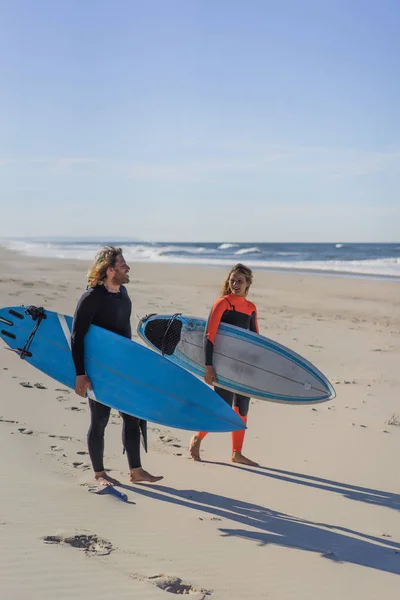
{"points": [[120, 279]]}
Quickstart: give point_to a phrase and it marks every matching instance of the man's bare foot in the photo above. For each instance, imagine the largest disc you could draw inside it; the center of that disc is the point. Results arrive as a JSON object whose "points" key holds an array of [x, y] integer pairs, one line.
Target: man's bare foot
{"points": [[104, 479], [237, 457], [137, 475], [194, 448]]}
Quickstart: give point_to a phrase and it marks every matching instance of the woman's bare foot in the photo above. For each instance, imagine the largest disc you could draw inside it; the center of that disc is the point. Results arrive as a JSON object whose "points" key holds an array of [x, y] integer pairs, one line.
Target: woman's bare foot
{"points": [[194, 448], [104, 479], [137, 475], [237, 457]]}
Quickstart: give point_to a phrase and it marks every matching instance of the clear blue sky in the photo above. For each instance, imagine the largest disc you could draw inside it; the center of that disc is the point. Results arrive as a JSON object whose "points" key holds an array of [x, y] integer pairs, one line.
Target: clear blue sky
{"points": [[205, 120]]}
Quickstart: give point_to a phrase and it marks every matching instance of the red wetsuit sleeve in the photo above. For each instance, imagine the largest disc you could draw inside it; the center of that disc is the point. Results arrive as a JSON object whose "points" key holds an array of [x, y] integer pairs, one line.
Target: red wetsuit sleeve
{"points": [[218, 309]]}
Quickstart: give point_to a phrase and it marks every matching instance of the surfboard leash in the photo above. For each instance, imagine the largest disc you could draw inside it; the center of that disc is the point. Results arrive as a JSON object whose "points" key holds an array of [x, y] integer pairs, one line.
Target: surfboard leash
{"points": [[37, 314]]}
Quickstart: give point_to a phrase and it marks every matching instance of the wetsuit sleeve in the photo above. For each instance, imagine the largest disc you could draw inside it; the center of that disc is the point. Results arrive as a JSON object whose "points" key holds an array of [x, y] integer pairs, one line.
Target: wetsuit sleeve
{"points": [[220, 306], [84, 314], [128, 330], [254, 322]]}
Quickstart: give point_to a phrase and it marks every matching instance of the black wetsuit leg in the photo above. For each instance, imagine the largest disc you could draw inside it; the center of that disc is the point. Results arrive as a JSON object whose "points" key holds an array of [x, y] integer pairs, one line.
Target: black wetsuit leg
{"points": [[131, 439], [100, 415], [241, 402]]}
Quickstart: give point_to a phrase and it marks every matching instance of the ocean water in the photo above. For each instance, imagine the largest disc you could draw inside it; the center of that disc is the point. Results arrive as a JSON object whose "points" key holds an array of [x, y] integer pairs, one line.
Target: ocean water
{"points": [[371, 260]]}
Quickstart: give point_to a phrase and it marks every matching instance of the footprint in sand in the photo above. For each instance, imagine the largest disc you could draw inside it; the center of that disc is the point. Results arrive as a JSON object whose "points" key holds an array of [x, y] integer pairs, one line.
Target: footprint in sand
{"points": [[80, 465], [91, 544], [64, 437], [170, 441], [62, 399], [25, 431], [26, 384], [7, 420], [175, 585], [74, 408]]}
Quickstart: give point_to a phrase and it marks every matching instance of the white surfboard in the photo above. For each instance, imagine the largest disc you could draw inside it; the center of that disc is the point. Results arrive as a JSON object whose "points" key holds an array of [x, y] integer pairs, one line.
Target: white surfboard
{"points": [[245, 362]]}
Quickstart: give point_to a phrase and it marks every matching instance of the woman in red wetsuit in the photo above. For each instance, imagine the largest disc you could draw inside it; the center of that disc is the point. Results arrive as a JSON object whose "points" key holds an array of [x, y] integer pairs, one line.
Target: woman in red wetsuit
{"points": [[233, 308]]}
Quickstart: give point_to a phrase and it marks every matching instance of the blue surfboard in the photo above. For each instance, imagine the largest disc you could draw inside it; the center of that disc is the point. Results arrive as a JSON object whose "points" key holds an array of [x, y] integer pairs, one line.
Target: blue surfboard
{"points": [[124, 375], [245, 362]]}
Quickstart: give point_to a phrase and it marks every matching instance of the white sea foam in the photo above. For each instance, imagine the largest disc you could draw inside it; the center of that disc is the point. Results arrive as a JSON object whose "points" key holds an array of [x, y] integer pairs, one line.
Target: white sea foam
{"points": [[253, 250], [227, 246], [192, 254], [54, 250]]}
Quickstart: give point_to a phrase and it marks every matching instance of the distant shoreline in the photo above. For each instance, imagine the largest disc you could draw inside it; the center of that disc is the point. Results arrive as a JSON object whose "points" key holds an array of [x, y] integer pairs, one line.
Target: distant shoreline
{"points": [[188, 264]]}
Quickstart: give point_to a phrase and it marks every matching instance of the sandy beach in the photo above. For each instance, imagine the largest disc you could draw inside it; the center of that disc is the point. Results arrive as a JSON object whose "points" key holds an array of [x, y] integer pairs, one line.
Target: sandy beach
{"points": [[319, 519]]}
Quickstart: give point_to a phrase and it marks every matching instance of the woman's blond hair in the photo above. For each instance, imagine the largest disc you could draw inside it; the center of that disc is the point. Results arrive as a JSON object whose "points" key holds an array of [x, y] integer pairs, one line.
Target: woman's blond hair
{"points": [[239, 268], [105, 258]]}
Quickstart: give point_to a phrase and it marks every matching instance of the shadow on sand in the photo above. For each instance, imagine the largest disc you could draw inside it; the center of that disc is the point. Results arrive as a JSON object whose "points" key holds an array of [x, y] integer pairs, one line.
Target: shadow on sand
{"points": [[264, 526]]}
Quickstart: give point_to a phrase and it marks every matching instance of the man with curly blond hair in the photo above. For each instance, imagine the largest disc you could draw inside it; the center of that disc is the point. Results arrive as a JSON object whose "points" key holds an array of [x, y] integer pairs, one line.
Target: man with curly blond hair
{"points": [[106, 303]]}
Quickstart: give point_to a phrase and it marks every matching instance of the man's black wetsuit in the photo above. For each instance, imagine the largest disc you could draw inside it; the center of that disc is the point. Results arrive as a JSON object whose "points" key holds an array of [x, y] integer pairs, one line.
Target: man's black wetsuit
{"points": [[110, 311]]}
